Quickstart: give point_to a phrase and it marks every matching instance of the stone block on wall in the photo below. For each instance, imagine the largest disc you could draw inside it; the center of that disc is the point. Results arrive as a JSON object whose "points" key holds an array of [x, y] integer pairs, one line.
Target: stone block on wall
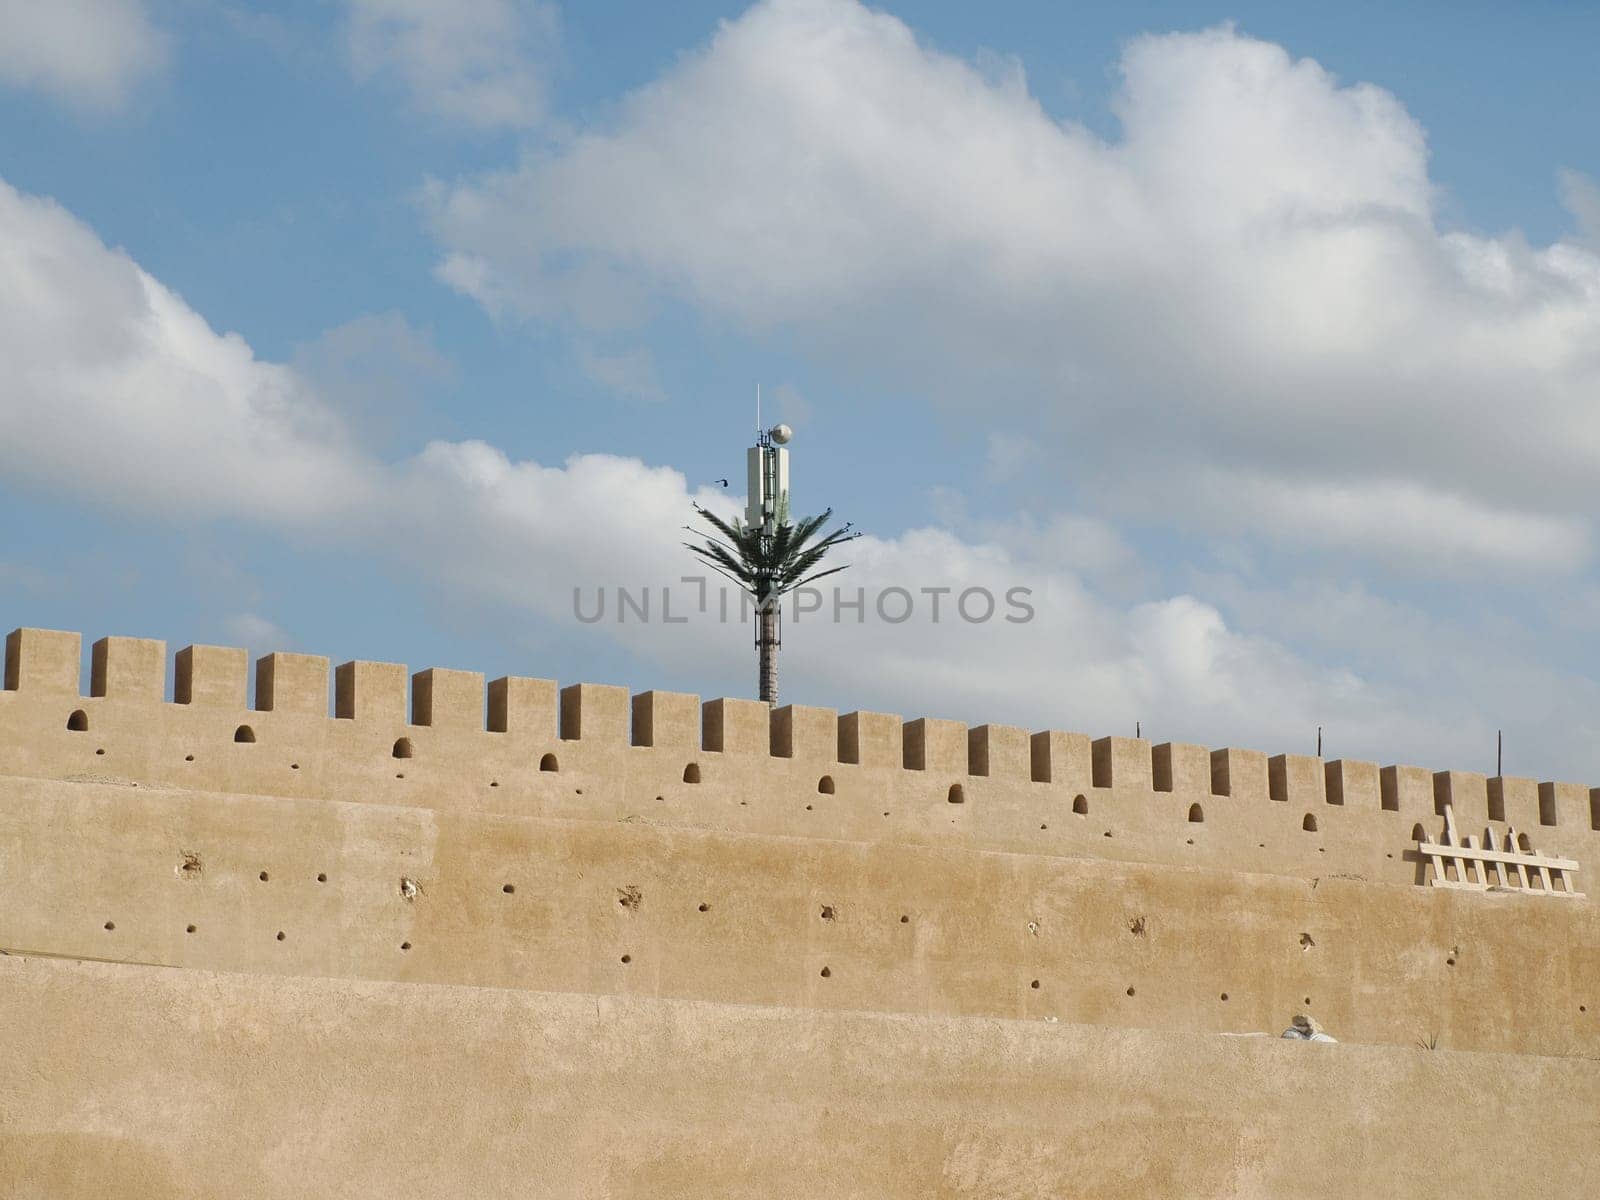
{"points": [[370, 691], [736, 726], [447, 699], [1352, 783], [1062, 759], [1514, 800], [595, 712], [292, 683], [871, 739], [1406, 790], [523, 706], [800, 731], [128, 669], [211, 675], [666, 719], [1121, 762], [1563, 804], [43, 660], [1241, 774], [999, 751], [1467, 794], [1180, 767], [1296, 779], [930, 744]]}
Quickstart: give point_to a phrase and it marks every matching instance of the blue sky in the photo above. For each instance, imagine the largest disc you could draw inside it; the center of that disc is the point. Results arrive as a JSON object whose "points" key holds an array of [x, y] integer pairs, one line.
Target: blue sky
{"points": [[1257, 340]]}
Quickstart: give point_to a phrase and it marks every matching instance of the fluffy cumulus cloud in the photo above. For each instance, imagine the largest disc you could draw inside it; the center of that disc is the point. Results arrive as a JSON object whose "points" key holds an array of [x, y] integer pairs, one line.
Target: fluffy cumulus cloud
{"points": [[121, 394], [90, 53], [1241, 309], [480, 63]]}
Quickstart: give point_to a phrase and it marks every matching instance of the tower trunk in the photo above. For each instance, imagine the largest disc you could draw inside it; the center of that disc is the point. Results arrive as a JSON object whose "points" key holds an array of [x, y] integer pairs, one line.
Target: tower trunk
{"points": [[767, 645]]}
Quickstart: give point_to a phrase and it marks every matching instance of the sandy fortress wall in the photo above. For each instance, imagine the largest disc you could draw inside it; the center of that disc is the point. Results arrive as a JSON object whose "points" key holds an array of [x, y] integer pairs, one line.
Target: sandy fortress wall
{"points": [[435, 832]]}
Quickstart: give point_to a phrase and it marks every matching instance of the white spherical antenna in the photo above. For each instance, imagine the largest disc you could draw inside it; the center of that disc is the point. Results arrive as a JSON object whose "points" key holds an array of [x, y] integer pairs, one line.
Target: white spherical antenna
{"points": [[781, 434]]}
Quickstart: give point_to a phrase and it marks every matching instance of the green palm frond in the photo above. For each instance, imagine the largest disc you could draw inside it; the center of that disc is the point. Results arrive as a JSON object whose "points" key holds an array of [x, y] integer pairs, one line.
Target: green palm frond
{"points": [[770, 565]]}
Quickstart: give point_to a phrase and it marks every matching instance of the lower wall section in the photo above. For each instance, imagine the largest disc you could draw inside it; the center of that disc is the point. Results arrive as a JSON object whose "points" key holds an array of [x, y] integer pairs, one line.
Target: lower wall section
{"points": [[141, 1082], [255, 884]]}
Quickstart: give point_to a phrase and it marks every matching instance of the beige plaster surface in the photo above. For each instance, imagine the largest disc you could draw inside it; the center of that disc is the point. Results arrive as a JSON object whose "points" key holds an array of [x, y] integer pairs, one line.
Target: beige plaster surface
{"points": [[468, 746], [142, 1083], [632, 907]]}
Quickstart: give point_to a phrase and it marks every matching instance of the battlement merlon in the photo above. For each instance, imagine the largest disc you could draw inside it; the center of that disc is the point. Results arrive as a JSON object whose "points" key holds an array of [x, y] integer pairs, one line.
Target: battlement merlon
{"points": [[43, 660], [133, 668], [131, 672]]}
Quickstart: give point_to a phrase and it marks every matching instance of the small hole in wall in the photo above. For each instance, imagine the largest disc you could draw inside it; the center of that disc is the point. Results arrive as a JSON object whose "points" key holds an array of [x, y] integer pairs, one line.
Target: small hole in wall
{"points": [[1583, 1008], [189, 928], [1188, 841], [627, 958], [494, 783], [691, 773], [1044, 827], [281, 935], [322, 877], [808, 808], [904, 919], [1310, 823], [1034, 985], [1449, 962], [549, 763], [1108, 833], [825, 973], [825, 785], [110, 925], [957, 794], [244, 734], [78, 722], [294, 766], [827, 913], [509, 889], [577, 791], [263, 877], [1307, 1000], [1223, 997], [1080, 805], [405, 945], [101, 750], [188, 758], [886, 814], [704, 908], [1130, 991], [402, 748], [399, 774]]}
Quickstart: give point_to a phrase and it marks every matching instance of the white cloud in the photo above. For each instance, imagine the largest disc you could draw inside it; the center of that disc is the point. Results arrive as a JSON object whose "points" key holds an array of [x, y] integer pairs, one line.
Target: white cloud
{"points": [[257, 634], [1403, 523], [1250, 283], [480, 63], [114, 383], [90, 53], [122, 396]]}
